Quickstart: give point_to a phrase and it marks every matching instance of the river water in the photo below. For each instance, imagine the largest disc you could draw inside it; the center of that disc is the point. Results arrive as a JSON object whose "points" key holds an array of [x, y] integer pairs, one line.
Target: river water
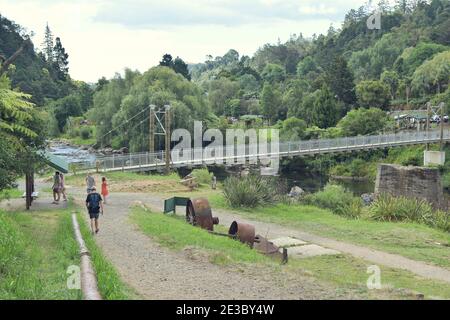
{"points": [[70, 153]]}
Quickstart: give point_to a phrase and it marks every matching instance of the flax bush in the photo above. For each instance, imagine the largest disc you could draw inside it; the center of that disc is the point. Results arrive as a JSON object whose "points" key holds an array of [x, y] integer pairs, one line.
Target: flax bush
{"points": [[251, 191], [389, 208]]}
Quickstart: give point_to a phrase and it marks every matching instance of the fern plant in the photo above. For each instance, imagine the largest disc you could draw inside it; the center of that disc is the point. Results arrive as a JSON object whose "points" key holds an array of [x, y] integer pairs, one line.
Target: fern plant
{"points": [[15, 110]]}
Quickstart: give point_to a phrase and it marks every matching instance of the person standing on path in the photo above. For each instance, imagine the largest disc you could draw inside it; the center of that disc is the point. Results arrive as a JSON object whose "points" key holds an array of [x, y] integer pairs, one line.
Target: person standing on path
{"points": [[105, 191], [56, 188], [94, 204], [62, 186], [90, 182]]}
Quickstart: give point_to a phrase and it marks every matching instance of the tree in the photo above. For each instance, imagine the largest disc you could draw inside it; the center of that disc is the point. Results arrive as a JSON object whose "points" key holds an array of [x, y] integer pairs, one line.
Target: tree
{"points": [[47, 45], [271, 102], [64, 108], [293, 129], [17, 132], [273, 73], [326, 109], [364, 122], [433, 75], [373, 93], [166, 61], [391, 79], [179, 66], [340, 80], [61, 60]]}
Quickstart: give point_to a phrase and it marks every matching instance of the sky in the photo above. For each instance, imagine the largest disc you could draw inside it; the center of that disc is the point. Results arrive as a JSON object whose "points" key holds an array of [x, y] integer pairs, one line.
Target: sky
{"points": [[103, 37]]}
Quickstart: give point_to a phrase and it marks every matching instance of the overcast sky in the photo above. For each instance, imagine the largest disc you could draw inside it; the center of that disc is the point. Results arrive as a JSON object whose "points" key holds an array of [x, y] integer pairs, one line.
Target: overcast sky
{"points": [[103, 37]]}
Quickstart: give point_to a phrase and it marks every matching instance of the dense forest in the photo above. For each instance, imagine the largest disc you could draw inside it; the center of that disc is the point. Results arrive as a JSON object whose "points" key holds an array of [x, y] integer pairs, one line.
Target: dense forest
{"points": [[334, 84]]}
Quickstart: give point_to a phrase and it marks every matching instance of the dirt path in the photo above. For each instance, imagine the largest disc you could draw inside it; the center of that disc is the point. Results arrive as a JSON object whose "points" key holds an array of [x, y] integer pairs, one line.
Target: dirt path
{"points": [[159, 273]]}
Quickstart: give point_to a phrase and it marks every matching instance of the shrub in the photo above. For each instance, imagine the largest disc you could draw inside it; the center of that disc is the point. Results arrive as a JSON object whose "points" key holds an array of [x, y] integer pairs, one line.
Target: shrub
{"points": [[337, 199], [251, 191], [389, 208], [85, 133], [203, 176]]}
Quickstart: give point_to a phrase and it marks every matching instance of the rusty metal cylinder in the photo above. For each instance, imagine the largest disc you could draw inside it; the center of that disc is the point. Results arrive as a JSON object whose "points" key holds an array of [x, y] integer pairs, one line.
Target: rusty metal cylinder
{"points": [[244, 232], [199, 213]]}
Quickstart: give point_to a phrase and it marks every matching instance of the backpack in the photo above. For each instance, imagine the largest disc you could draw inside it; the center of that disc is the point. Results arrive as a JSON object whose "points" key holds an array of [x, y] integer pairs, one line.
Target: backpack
{"points": [[94, 201]]}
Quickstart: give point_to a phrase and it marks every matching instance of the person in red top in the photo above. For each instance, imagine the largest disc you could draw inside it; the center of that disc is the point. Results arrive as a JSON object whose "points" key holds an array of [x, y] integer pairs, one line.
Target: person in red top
{"points": [[105, 192]]}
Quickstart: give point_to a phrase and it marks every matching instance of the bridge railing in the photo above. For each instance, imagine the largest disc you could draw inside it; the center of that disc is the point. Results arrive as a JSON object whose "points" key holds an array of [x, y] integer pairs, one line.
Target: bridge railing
{"points": [[255, 152]]}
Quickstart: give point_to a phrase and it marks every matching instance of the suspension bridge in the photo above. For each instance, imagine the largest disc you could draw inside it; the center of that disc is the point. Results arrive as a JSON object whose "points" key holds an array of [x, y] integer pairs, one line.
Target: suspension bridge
{"points": [[148, 161]]}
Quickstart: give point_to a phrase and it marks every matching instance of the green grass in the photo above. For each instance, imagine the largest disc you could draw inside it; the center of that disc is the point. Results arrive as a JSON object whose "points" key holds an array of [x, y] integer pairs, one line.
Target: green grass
{"points": [[346, 272], [12, 193], [110, 285], [173, 232], [79, 179], [79, 141], [36, 251], [412, 240]]}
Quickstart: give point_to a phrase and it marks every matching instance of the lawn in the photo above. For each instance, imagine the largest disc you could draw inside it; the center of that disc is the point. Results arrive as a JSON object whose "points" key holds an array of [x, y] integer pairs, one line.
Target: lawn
{"points": [[412, 240], [36, 251], [10, 193]]}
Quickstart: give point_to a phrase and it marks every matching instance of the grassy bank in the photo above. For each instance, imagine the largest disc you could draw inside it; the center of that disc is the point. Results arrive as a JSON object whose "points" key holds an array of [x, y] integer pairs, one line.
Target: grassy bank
{"points": [[348, 273], [173, 232], [411, 240], [36, 251]]}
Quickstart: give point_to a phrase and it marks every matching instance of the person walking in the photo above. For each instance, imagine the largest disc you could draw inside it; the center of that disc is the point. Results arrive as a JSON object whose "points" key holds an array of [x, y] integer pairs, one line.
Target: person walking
{"points": [[90, 182], [94, 205], [62, 186], [56, 188], [105, 191]]}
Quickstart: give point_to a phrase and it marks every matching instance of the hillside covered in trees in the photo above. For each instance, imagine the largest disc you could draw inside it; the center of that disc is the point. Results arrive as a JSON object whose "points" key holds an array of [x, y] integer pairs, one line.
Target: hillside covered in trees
{"points": [[325, 86]]}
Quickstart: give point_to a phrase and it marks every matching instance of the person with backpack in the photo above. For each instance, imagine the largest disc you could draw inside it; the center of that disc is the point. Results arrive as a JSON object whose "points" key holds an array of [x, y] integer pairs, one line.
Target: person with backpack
{"points": [[94, 204]]}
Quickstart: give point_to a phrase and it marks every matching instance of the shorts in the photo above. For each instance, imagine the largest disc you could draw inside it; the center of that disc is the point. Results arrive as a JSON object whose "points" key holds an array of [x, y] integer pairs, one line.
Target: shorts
{"points": [[94, 215]]}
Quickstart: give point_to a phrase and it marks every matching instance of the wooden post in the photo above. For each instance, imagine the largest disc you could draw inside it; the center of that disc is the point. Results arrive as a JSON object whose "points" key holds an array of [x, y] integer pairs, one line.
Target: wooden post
{"points": [[29, 188], [167, 136]]}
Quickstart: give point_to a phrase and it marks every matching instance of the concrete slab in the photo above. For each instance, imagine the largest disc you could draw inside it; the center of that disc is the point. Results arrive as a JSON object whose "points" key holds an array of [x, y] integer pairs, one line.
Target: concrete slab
{"points": [[310, 250], [286, 242]]}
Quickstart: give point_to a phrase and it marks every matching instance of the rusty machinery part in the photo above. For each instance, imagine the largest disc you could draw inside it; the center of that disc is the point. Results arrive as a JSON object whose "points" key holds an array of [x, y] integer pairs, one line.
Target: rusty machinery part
{"points": [[266, 247], [198, 213], [244, 232]]}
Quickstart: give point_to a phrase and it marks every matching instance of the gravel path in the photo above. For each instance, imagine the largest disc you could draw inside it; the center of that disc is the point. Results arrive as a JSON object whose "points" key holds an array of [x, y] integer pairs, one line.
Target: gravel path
{"points": [[156, 272]]}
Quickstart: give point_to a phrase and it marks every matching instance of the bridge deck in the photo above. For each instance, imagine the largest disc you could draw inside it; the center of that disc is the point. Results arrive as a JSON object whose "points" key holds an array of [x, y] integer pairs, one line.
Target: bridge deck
{"points": [[252, 153]]}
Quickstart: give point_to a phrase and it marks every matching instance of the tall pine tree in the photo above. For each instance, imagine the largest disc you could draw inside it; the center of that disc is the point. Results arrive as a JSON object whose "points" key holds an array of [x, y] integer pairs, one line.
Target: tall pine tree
{"points": [[47, 45], [60, 60]]}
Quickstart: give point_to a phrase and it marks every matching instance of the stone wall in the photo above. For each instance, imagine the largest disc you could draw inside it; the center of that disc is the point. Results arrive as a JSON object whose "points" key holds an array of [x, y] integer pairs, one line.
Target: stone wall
{"points": [[412, 182]]}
